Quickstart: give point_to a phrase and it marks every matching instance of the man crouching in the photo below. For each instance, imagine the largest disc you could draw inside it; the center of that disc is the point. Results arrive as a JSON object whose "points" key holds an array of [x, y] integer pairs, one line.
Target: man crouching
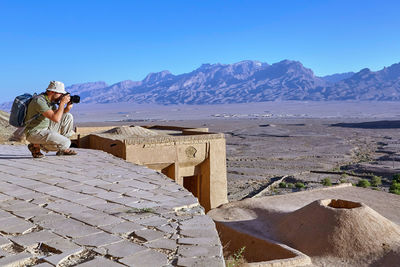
{"points": [[50, 127]]}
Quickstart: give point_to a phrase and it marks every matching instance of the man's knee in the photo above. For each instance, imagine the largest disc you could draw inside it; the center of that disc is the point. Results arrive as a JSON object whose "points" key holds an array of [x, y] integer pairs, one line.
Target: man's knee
{"points": [[67, 124], [67, 118]]}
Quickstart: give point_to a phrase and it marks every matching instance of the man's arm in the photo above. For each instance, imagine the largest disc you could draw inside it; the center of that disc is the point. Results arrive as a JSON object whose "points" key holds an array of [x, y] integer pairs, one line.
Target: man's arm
{"points": [[55, 115], [68, 107]]}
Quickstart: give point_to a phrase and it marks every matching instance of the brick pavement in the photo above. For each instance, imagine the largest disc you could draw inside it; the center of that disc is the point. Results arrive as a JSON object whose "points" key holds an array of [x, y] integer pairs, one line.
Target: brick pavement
{"points": [[94, 209]]}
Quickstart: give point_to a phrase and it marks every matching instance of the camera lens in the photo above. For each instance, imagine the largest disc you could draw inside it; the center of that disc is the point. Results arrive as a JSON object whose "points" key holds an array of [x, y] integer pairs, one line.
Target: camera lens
{"points": [[75, 98]]}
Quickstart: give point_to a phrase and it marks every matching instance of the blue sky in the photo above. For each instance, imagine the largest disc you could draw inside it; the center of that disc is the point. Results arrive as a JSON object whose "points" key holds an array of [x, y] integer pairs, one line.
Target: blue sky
{"points": [[82, 41]]}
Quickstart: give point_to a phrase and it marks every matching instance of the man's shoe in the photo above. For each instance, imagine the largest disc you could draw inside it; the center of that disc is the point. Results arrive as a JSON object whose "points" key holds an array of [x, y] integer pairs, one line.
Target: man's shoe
{"points": [[35, 151], [66, 152]]}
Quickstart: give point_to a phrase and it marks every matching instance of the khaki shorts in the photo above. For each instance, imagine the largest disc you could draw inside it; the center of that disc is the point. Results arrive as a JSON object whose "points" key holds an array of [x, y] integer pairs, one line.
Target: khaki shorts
{"points": [[56, 137]]}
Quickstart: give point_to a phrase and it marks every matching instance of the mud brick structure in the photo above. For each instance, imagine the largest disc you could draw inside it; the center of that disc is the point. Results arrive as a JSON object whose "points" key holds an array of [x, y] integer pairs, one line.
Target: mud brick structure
{"points": [[193, 157]]}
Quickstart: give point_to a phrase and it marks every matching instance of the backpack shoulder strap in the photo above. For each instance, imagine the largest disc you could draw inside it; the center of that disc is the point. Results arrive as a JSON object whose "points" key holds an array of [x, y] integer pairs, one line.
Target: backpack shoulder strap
{"points": [[34, 117]]}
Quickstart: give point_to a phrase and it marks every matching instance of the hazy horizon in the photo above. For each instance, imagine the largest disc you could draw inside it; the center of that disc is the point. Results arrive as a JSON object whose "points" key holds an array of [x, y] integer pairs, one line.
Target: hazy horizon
{"points": [[365, 110]]}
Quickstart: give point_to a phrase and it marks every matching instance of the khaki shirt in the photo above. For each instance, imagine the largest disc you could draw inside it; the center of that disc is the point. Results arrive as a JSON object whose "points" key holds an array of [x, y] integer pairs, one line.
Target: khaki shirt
{"points": [[38, 105]]}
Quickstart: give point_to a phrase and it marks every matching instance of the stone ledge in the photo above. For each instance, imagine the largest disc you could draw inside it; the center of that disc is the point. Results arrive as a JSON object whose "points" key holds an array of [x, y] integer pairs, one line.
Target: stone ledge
{"points": [[162, 139]]}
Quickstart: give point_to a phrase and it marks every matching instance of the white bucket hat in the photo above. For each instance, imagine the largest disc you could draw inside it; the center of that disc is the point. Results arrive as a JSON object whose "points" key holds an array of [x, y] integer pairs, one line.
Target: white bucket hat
{"points": [[57, 87]]}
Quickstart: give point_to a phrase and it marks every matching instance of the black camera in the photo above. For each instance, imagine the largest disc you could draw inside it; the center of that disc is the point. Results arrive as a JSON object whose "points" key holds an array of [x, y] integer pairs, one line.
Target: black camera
{"points": [[75, 99]]}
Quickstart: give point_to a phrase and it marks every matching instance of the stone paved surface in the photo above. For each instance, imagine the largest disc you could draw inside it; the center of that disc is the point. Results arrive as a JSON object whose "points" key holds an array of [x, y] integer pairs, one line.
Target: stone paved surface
{"points": [[97, 210]]}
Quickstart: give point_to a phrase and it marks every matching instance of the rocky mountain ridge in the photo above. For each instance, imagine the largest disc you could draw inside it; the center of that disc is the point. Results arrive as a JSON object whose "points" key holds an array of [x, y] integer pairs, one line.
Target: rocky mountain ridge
{"points": [[249, 81], [246, 81]]}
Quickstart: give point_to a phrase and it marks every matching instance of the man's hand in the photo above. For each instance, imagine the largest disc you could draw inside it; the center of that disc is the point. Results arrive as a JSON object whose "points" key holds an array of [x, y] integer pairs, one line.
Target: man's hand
{"points": [[65, 99]]}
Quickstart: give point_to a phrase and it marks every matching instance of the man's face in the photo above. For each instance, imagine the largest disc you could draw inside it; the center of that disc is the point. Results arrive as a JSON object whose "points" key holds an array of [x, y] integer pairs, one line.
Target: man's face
{"points": [[57, 97], [54, 97]]}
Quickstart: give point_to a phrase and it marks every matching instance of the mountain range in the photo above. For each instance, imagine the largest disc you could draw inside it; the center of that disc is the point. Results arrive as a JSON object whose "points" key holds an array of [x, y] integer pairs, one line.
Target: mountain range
{"points": [[246, 81]]}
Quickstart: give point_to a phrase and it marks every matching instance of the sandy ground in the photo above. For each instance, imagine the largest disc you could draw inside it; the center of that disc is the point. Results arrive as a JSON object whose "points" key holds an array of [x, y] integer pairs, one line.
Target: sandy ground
{"points": [[5, 128]]}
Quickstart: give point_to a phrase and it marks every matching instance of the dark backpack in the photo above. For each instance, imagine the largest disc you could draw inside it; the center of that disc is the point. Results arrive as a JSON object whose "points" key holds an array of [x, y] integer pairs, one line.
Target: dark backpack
{"points": [[19, 109]]}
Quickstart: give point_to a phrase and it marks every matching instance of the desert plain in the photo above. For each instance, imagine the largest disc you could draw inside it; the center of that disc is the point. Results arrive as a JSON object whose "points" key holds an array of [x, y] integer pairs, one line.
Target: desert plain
{"points": [[304, 142]]}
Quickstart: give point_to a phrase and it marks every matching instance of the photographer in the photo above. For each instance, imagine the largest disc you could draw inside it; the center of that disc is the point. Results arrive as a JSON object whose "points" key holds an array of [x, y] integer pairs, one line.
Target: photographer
{"points": [[49, 127]]}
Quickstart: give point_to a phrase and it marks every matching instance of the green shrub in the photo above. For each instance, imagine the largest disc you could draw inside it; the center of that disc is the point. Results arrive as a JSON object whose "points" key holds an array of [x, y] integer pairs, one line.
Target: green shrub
{"points": [[396, 178], [237, 259], [376, 180], [397, 192], [290, 185], [343, 181], [326, 182], [395, 188], [282, 185], [364, 183], [299, 185]]}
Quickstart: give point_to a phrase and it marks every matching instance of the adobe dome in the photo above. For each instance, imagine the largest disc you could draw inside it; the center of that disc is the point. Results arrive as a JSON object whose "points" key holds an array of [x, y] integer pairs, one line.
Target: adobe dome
{"points": [[338, 228]]}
